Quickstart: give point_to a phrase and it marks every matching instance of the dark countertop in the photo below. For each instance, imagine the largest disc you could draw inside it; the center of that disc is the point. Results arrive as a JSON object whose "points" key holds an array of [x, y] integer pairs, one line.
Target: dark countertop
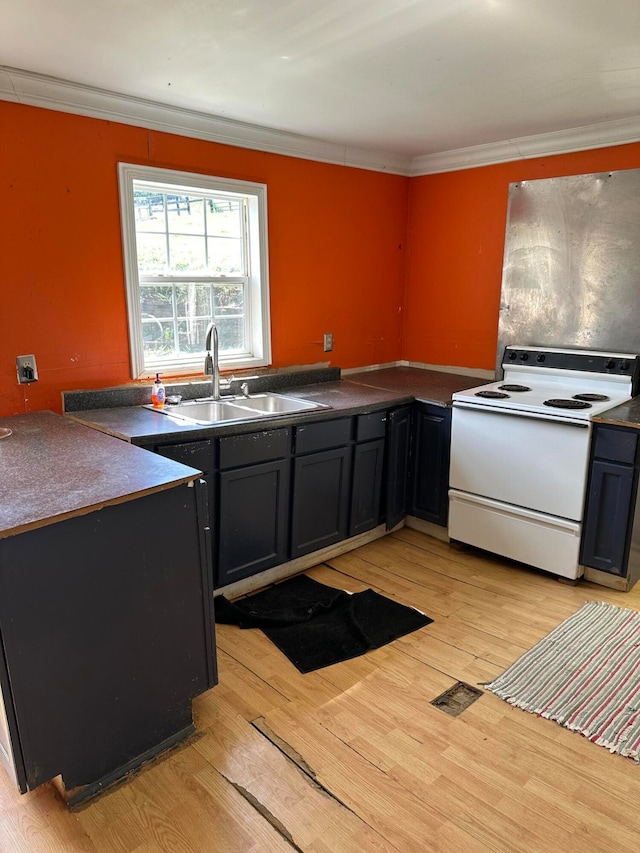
{"points": [[626, 414], [144, 426], [429, 386], [360, 393], [54, 469]]}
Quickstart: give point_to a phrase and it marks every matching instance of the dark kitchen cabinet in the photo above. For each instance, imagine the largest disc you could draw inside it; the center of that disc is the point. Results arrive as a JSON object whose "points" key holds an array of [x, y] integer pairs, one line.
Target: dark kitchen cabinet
{"points": [[253, 499], [429, 480], [611, 529], [417, 477], [107, 636], [282, 493], [196, 454], [321, 485], [397, 462], [368, 465]]}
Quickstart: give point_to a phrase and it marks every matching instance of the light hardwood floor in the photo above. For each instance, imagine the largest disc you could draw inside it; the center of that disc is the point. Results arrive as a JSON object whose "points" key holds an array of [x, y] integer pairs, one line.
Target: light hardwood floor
{"points": [[354, 757]]}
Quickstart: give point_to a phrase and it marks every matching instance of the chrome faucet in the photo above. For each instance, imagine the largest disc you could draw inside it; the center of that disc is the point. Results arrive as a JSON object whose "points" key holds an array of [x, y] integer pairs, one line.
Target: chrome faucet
{"points": [[211, 363]]}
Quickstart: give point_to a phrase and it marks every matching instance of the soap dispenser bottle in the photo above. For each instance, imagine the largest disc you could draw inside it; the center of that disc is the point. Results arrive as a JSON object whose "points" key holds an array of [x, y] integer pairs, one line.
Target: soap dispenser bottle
{"points": [[158, 393]]}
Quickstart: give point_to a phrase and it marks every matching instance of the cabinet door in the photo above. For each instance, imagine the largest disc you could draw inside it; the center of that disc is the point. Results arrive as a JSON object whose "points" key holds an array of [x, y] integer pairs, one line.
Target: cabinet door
{"points": [[197, 454], [253, 520], [430, 465], [367, 482], [321, 488], [397, 473], [607, 518]]}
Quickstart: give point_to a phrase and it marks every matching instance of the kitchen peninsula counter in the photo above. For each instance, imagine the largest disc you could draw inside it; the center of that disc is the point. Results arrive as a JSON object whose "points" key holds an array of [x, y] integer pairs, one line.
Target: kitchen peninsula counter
{"points": [[54, 469], [106, 604]]}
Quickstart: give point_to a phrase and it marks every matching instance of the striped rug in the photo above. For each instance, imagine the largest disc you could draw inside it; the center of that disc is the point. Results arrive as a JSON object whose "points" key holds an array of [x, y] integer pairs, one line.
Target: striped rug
{"points": [[585, 675]]}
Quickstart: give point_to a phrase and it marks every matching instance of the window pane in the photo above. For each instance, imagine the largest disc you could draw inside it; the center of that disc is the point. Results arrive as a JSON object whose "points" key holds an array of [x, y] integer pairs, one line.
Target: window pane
{"points": [[186, 253], [230, 333], [192, 335], [149, 211], [157, 336], [228, 299], [193, 300], [224, 218], [156, 300], [152, 252], [185, 214], [225, 256]]}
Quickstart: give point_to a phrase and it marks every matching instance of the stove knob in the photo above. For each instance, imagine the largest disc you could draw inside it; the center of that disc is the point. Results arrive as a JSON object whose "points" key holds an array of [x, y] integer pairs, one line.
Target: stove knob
{"points": [[624, 365], [524, 356], [540, 357], [513, 355], [610, 364]]}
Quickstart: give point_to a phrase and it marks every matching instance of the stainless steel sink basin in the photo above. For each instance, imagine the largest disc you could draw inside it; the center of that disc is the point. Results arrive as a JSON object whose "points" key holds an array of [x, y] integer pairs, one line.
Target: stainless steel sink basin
{"points": [[277, 404], [260, 406], [207, 412]]}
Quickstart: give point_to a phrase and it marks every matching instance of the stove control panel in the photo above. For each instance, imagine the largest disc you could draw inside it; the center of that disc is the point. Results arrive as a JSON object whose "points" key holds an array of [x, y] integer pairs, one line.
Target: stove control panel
{"points": [[619, 364]]}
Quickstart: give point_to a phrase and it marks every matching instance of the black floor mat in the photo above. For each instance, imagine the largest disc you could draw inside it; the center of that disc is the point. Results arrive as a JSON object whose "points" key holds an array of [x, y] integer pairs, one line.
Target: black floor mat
{"points": [[316, 625]]}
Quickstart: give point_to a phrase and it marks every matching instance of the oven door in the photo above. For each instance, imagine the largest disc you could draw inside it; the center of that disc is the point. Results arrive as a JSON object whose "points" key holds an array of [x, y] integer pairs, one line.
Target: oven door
{"points": [[528, 460]]}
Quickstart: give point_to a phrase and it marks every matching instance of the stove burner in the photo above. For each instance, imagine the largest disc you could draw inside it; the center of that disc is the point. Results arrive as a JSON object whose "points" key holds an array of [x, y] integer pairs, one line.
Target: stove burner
{"points": [[567, 404], [591, 398], [494, 395], [515, 388]]}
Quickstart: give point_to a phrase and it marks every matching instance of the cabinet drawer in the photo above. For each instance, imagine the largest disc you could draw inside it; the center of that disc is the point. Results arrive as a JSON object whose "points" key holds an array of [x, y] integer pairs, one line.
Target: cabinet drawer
{"points": [[617, 445], [255, 447], [197, 454], [322, 435], [371, 426]]}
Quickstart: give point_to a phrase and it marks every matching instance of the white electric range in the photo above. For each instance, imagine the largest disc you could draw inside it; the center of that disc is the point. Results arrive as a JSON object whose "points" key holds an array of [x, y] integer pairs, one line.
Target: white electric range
{"points": [[520, 452]]}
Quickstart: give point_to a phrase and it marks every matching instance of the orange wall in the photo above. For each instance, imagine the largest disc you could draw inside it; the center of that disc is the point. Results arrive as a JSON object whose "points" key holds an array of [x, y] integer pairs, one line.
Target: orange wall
{"points": [[337, 240], [336, 244], [455, 245]]}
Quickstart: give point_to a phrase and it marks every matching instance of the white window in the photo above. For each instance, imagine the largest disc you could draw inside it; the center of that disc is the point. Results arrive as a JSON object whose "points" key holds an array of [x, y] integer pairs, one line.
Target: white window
{"points": [[195, 250]]}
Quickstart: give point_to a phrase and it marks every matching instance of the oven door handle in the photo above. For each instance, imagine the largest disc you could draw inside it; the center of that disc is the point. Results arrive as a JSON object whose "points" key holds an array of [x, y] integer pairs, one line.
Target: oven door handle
{"points": [[536, 416]]}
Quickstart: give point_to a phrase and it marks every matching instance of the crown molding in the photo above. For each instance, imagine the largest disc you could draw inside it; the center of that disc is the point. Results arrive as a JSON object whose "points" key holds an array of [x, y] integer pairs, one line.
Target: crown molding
{"points": [[38, 90], [602, 135]]}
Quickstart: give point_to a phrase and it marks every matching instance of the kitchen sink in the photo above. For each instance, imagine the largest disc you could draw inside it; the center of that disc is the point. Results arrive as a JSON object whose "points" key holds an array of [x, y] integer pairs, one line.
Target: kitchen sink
{"points": [[206, 412], [276, 404], [260, 406]]}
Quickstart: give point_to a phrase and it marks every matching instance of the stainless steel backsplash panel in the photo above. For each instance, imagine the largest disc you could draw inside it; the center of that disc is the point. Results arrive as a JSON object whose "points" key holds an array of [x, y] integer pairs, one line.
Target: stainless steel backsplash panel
{"points": [[571, 273]]}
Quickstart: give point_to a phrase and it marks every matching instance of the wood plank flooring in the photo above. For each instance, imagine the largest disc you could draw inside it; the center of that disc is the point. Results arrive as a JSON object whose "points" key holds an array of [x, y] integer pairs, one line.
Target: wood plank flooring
{"points": [[354, 757]]}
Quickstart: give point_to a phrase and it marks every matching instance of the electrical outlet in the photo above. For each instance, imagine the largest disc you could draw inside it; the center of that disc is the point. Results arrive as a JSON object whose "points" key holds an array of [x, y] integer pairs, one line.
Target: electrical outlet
{"points": [[26, 369], [328, 341]]}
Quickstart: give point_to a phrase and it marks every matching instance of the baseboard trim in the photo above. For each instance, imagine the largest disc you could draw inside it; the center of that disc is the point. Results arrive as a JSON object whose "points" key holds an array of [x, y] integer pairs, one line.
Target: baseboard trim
{"points": [[428, 527], [606, 579], [285, 570]]}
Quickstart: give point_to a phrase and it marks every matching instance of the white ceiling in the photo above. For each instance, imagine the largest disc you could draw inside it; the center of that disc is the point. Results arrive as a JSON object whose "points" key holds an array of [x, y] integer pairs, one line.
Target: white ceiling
{"points": [[411, 78]]}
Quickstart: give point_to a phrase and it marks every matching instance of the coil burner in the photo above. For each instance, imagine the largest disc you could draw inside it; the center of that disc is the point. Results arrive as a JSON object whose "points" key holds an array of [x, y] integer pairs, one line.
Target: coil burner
{"points": [[591, 398], [492, 395], [567, 404]]}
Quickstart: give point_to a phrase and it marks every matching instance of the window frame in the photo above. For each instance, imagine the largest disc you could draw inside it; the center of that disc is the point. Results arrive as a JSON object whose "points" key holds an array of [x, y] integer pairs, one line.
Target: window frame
{"points": [[257, 305]]}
